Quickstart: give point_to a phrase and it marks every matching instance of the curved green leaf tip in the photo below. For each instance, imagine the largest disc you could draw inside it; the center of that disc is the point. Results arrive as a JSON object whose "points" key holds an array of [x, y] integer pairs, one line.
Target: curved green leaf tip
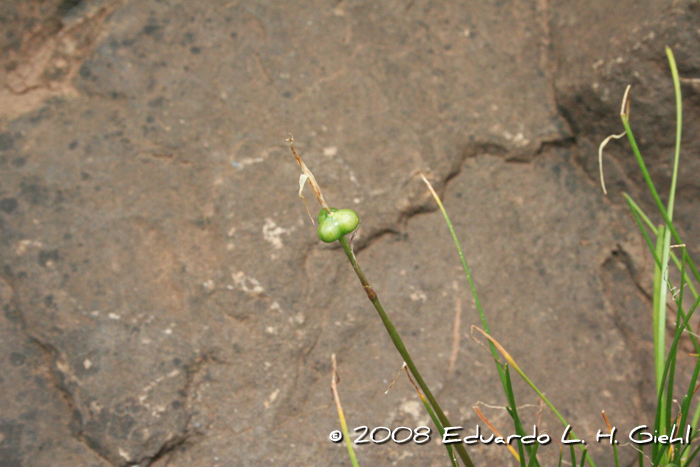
{"points": [[336, 224]]}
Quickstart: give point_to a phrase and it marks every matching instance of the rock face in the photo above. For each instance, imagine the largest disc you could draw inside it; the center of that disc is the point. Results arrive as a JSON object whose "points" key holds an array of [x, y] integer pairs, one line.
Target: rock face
{"points": [[165, 299]]}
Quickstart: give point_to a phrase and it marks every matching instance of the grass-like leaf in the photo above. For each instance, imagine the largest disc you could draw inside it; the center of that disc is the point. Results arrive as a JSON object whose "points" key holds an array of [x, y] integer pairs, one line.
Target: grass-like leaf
{"points": [[341, 415]]}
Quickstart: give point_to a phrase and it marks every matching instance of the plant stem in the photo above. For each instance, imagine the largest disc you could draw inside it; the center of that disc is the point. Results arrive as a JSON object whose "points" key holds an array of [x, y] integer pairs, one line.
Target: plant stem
{"points": [[398, 343]]}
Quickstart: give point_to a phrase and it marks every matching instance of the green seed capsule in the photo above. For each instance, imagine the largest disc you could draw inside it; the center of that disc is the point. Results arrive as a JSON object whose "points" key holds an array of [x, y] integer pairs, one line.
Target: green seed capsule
{"points": [[336, 224]]}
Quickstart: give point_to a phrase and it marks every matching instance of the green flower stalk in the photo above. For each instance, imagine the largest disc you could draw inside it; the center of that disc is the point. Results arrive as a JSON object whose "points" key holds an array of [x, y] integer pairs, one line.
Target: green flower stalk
{"points": [[334, 224]]}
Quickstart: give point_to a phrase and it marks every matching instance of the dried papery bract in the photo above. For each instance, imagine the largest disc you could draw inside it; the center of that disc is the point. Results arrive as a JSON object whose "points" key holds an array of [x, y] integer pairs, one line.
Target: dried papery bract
{"points": [[307, 176]]}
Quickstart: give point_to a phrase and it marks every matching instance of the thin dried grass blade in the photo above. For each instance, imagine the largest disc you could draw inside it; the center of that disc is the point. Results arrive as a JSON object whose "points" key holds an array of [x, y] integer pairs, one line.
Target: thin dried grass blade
{"points": [[503, 351], [624, 113], [497, 433], [600, 157]]}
